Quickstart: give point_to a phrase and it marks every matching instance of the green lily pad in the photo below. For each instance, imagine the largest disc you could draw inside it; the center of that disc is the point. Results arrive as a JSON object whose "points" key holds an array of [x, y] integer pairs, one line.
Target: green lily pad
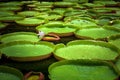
{"points": [[30, 21], [54, 16], [58, 28], [81, 70], [78, 6], [85, 22], [9, 4], [116, 24], [28, 13], [10, 8], [97, 33], [102, 10], [92, 5], [77, 17], [42, 15], [83, 49], [9, 73], [6, 13], [19, 36], [42, 9], [31, 5], [79, 1], [111, 16], [44, 3], [27, 51], [108, 2], [50, 16], [59, 10], [115, 40], [29, 2], [72, 13], [11, 18], [64, 4], [104, 21]]}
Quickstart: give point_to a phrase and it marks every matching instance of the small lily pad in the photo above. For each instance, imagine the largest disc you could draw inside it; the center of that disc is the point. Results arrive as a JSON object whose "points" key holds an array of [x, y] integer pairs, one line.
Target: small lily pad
{"points": [[72, 13], [85, 22], [108, 2], [78, 1], [92, 5], [6, 13], [104, 21], [64, 4], [29, 2], [11, 18], [10, 8], [59, 10], [45, 3], [50, 16], [30, 21], [28, 13], [12, 3], [42, 9], [19, 36]]}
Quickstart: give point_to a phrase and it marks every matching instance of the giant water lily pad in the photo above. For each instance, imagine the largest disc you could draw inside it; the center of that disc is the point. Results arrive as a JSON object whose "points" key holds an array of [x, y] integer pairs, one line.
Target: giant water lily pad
{"points": [[83, 49], [10, 8], [64, 4], [75, 17], [115, 40], [116, 24], [92, 5], [108, 2], [50, 16], [79, 1], [19, 36], [28, 13], [60, 10], [58, 28], [9, 4], [104, 21], [81, 70], [85, 22], [9, 73], [30, 21], [27, 51], [11, 18], [6, 13], [111, 16], [29, 2], [45, 3], [72, 13], [103, 10], [42, 8], [97, 33]]}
